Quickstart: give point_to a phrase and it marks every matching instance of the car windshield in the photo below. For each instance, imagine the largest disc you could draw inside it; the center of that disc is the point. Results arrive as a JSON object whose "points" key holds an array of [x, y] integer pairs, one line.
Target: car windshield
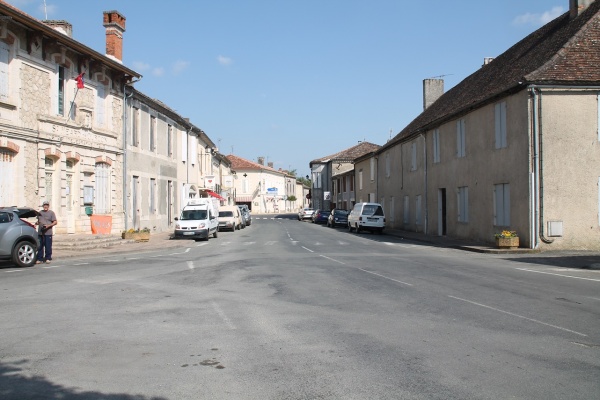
{"points": [[188, 215], [225, 213], [373, 210], [340, 212]]}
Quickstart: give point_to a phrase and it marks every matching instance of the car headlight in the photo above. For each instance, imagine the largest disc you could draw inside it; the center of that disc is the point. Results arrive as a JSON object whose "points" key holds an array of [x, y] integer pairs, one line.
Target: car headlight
{"points": [[177, 226]]}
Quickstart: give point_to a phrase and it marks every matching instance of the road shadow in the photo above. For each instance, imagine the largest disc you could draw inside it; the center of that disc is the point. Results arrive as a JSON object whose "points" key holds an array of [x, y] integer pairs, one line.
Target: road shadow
{"points": [[15, 386], [580, 261]]}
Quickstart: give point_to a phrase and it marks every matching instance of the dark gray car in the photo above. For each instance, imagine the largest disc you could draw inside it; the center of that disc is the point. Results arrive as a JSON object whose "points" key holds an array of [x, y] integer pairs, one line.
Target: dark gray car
{"points": [[18, 238], [245, 211]]}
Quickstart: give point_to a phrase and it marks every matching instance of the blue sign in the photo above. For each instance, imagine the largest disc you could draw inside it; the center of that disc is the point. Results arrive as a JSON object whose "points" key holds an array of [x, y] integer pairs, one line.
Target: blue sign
{"points": [[272, 191]]}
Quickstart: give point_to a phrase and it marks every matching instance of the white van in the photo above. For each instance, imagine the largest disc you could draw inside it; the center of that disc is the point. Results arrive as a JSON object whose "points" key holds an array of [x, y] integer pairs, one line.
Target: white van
{"points": [[198, 220], [366, 216], [230, 217]]}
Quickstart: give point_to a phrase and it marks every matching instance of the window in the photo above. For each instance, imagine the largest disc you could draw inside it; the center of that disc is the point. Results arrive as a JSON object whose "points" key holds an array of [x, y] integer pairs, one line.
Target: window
{"points": [[418, 210], [152, 133], [372, 168], [7, 177], [61, 91], [69, 188], [100, 101], [360, 177], [413, 157], [436, 146], [49, 177], [500, 124], [406, 216], [4, 60], [351, 183], [135, 126], [194, 150], [169, 141], [152, 196], [463, 204], [502, 204], [184, 146], [387, 165], [392, 209], [102, 190], [460, 138]]}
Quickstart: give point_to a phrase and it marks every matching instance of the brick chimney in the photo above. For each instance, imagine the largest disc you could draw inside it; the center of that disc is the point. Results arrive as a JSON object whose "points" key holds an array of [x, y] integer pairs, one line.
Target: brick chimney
{"points": [[114, 23], [270, 164], [576, 7], [433, 89]]}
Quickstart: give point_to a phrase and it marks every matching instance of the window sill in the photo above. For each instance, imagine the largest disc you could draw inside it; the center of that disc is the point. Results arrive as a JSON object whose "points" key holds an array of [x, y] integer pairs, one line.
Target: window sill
{"points": [[8, 106]]}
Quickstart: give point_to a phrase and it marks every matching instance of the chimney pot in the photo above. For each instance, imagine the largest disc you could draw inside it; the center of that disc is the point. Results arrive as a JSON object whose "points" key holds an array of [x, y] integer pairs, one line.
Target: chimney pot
{"points": [[261, 160]]}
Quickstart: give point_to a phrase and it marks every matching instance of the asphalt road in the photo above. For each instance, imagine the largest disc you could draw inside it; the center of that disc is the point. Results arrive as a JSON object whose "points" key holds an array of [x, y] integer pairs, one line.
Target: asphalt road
{"points": [[292, 310]]}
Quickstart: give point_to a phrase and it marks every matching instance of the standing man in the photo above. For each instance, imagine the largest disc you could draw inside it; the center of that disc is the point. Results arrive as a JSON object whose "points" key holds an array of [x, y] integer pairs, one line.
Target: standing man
{"points": [[46, 220]]}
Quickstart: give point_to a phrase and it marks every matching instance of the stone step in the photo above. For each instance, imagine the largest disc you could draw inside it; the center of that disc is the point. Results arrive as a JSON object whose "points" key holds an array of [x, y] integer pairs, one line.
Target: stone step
{"points": [[85, 242]]}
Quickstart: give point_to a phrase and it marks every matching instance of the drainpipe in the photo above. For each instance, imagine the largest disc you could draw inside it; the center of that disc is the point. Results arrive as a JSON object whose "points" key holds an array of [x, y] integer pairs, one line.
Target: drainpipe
{"points": [[425, 179], [538, 222]]}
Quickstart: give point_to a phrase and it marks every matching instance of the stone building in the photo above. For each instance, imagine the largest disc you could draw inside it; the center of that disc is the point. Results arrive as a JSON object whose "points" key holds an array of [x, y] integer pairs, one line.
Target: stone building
{"points": [[61, 113], [514, 146]]}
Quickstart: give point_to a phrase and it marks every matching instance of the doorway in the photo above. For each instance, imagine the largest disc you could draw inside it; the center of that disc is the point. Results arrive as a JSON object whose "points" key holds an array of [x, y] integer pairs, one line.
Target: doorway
{"points": [[442, 212]]}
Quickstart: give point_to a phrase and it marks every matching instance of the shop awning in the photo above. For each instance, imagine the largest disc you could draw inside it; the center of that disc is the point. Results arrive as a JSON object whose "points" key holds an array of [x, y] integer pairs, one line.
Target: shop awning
{"points": [[243, 199], [213, 194]]}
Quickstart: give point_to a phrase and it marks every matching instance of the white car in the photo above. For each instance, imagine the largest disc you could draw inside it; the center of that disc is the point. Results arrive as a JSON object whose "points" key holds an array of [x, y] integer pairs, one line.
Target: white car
{"points": [[366, 216], [305, 213]]}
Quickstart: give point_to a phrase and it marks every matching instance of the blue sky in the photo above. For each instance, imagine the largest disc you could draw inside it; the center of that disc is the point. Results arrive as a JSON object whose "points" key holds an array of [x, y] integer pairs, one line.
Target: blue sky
{"points": [[294, 81]]}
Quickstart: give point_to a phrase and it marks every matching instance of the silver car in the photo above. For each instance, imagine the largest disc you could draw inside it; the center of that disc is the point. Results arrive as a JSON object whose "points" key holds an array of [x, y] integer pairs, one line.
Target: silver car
{"points": [[18, 238]]}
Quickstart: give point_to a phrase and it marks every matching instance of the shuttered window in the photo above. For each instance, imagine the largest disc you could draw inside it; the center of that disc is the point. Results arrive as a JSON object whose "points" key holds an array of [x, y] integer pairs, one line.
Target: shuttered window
{"points": [[4, 59], [500, 124], [100, 106], [102, 192], [436, 146], [463, 204], [461, 140], [502, 204]]}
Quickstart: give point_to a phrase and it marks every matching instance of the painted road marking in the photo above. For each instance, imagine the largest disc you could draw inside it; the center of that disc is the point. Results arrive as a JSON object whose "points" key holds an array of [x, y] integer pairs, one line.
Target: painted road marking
{"points": [[564, 276], [518, 316]]}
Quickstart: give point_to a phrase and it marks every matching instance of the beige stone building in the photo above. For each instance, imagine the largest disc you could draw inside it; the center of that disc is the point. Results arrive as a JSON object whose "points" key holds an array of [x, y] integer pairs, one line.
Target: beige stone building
{"points": [[261, 187], [515, 146], [60, 142]]}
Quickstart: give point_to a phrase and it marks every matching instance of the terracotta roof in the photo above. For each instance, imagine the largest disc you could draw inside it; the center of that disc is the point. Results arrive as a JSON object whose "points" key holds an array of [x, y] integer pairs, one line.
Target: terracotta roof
{"points": [[239, 163], [566, 51], [349, 154]]}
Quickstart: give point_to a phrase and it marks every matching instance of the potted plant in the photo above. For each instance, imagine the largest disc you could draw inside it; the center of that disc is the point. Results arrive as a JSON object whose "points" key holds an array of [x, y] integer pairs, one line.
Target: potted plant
{"points": [[139, 235], [507, 240]]}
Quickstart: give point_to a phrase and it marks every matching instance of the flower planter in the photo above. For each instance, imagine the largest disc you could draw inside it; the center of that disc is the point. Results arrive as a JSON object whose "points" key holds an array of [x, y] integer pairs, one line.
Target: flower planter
{"points": [[507, 242], [137, 236]]}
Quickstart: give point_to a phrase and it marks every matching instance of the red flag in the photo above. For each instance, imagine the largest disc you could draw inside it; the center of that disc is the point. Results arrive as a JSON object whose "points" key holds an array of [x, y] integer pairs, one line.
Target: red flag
{"points": [[79, 80]]}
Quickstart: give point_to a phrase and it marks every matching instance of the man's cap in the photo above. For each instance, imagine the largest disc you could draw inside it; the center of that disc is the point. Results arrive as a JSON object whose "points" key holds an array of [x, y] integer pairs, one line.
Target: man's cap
{"points": [[46, 203]]}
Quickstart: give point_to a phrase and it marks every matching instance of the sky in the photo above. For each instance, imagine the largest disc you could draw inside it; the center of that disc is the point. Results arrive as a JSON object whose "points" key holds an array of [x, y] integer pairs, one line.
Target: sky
{"points": [[294, 81]]}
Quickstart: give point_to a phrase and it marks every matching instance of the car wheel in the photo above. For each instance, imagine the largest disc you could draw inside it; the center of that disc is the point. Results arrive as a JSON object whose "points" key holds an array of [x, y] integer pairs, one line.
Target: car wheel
{"points": [[216, 233], [24, 254], [349, 228], [357, 229]]}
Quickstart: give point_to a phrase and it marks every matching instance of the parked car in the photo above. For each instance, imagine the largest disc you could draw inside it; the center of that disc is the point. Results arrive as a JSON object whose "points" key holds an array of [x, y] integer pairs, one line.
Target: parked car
{"points": [[305, 213], [367, 216], [320, 216], [337, 217], [198, 220], [230, 217], [245, 213], [18, 238]]}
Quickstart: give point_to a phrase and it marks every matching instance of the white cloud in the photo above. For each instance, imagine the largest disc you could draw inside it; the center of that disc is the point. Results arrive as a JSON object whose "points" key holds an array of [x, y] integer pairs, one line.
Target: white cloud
{"points": [[179, 66], [539, 19], [159, 71], [140, 66], [224, 60]]}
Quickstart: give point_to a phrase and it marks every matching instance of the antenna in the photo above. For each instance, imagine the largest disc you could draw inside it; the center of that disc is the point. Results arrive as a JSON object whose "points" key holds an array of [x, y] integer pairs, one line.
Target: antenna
{"points": [[439, 76], [45, 11]]}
